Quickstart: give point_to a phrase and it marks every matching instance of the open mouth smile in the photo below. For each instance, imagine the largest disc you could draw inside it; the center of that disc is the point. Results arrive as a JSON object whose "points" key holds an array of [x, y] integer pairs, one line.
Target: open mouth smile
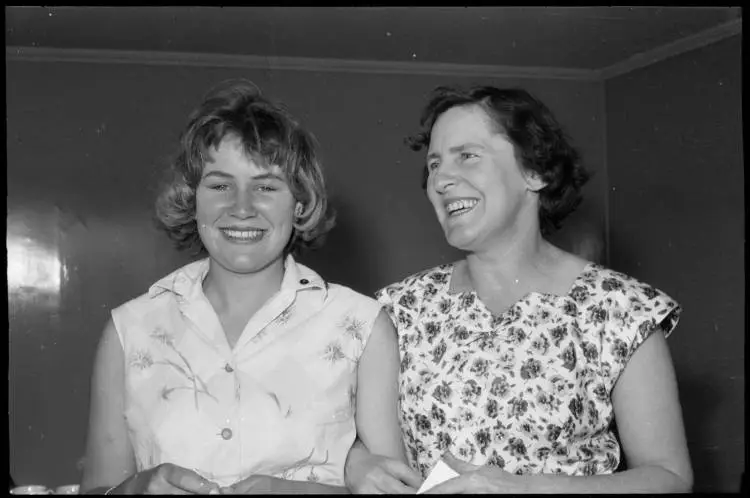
{"points": [[460, 207], [242, 235]]}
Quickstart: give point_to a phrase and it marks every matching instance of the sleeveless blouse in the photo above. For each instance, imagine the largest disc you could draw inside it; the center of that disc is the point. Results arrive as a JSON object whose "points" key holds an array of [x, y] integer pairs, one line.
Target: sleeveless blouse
{"points": [[280, 403], [528, 390]]}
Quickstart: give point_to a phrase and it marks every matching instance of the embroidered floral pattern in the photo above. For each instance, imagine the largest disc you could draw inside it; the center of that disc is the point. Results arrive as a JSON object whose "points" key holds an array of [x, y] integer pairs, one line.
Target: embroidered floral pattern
{"points": [[285, 315], [353, 327], [301, 399], [295, 468], [527, 390], [352, 330], [142, 359]]}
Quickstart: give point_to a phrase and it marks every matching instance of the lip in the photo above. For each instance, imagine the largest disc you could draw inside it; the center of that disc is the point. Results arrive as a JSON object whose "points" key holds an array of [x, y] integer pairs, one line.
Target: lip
{"points": [[448, 200], [242, 240], [241, 229]]}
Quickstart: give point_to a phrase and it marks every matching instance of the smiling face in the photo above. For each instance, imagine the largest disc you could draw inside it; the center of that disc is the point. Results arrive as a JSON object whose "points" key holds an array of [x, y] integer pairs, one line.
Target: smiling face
{"points": [[478, 189], [244, 211]]}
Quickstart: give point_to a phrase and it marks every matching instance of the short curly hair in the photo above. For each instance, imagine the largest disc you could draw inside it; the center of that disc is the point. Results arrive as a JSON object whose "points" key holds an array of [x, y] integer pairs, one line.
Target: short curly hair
{"points": [[539, 142], [270, 135]]}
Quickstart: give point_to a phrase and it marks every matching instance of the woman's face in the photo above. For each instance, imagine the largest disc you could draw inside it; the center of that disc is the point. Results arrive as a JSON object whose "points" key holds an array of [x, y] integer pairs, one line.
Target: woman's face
{"points": [[245, 212], [479, 191]]}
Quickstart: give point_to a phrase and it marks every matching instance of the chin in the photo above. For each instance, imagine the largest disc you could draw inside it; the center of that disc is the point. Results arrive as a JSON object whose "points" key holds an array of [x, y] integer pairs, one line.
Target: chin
{"points": [[460, 241], [246, 264]]}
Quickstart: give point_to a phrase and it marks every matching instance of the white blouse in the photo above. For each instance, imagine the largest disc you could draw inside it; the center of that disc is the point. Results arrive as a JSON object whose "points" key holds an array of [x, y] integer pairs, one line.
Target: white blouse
{"points": [[280, 403]]}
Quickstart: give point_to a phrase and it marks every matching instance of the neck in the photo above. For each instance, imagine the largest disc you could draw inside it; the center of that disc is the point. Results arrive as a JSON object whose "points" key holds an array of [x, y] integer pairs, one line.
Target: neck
{"points": [[514, 261], [229, 290]]}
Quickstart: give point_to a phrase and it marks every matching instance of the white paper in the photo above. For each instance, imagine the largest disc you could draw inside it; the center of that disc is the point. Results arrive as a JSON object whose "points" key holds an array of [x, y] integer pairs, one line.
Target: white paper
{"points": [[441, 472]]}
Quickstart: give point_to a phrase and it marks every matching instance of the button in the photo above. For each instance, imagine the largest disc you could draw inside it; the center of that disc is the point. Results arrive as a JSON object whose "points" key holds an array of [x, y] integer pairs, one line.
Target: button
{"points": [[226, 433], [304, 281], [228, 368]]}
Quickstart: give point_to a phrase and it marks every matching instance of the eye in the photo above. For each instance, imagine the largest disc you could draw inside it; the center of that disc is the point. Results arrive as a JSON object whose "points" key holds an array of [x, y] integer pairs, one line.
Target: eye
{"points": [[219, 187], [266, 188], [468, 155], [432, 165]]}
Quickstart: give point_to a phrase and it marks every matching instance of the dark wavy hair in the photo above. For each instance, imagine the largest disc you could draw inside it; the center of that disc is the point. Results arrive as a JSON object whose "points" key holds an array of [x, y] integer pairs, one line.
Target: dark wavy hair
{"points": [[271, 136], [539, 142]]}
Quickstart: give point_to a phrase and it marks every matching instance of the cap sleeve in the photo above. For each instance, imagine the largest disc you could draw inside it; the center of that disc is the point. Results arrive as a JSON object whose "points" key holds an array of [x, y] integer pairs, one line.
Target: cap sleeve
{"points": [[384, 297], [358, 318], [636, 310]]}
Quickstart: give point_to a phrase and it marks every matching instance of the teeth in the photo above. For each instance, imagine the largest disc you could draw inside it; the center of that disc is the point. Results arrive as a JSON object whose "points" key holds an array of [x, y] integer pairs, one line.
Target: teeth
{"points": [[461, 205], [243, 234]]}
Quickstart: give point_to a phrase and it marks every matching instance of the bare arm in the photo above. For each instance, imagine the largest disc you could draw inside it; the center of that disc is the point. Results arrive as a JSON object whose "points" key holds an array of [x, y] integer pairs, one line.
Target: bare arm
{"points": [[377, 392], [377, 463], [649, 420], [647, 409], [109, 456]]}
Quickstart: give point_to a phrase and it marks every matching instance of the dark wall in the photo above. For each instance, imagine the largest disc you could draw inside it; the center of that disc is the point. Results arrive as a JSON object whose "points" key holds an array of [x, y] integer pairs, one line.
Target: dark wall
{"points": [[676, 207], [85, 144]]}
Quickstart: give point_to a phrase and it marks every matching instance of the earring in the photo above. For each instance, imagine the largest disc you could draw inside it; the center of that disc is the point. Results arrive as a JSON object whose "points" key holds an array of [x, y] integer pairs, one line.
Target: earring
{"points": [[298, 210]]}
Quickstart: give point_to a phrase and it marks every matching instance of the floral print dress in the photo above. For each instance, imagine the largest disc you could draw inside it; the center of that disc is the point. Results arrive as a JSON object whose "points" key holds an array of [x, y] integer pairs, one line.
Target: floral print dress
{"points": [[281, 402], [528, 390]]}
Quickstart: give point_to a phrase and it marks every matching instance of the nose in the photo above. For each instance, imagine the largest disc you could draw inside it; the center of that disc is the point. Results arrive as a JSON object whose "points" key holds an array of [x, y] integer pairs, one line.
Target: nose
{"points": [[444, 178], [244, 205]]}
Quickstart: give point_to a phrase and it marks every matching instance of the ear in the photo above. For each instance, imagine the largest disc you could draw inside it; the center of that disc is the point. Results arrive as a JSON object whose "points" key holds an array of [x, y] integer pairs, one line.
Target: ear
{"points": [[534, 181], [298, 208]]}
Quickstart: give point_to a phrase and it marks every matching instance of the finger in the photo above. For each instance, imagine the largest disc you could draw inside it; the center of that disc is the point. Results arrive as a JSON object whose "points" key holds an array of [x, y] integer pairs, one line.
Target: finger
{"points": [[458, 465], [164, 487], [404, 473], [190, 481], [395, 487], [454, 485], [385, 483]]}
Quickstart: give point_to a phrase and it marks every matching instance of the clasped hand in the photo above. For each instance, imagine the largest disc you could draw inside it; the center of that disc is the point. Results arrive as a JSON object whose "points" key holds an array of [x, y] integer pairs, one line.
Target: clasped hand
{"points": [[478, 479], [170, 479]]}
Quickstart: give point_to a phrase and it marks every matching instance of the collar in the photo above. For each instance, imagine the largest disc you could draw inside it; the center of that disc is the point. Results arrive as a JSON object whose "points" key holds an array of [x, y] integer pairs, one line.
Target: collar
{"points": [[183, 281]]}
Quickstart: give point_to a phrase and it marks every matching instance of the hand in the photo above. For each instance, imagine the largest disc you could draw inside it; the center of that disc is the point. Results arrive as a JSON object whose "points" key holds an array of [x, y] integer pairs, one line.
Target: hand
{"points": [[256, 484], [478, 479], [374, 474], [167, 479]]}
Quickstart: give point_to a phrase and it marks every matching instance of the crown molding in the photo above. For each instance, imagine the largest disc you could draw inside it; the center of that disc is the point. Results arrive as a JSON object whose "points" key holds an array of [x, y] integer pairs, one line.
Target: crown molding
{"points": [[698, 40], [415, 68], [155, 58]]}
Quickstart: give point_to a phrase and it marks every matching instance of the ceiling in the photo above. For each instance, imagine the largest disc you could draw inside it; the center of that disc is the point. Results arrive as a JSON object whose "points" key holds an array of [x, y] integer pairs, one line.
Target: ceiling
{"points": [[560, 37]]}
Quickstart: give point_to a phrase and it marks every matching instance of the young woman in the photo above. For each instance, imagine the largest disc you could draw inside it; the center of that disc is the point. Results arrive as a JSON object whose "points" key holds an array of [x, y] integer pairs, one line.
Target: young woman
{"points": [[244, 371]]}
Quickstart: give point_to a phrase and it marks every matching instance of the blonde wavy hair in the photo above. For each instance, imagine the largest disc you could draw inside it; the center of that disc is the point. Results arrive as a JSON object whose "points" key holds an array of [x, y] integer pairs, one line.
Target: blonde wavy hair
{"points": [[268, 133]]}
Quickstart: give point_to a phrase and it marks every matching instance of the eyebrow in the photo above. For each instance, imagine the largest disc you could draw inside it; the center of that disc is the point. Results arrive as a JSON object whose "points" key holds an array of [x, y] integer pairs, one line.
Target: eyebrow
{"points": [[456, 149], [262, 176]]}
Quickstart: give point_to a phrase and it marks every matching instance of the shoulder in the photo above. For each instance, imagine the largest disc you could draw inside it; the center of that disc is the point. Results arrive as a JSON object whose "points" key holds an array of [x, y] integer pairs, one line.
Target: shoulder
{"points": [[603, 281], [178, 282], [417, 283], [145, 300], [622, 294], [342, 293]]}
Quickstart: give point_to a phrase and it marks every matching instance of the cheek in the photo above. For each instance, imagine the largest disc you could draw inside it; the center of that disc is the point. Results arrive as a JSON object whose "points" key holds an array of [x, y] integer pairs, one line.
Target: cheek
{"points": [[281, 211], [203, 208], [207, 233], [434, 198]]}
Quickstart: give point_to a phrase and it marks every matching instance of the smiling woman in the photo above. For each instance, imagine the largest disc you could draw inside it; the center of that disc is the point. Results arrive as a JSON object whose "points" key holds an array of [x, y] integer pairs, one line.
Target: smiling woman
{"points": [[221, 378], [516, 360]]}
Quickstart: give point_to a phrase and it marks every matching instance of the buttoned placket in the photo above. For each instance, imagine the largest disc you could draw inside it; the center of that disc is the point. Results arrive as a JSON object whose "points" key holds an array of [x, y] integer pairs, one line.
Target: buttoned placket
{"points": [[207, 325], [204, 322]]}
